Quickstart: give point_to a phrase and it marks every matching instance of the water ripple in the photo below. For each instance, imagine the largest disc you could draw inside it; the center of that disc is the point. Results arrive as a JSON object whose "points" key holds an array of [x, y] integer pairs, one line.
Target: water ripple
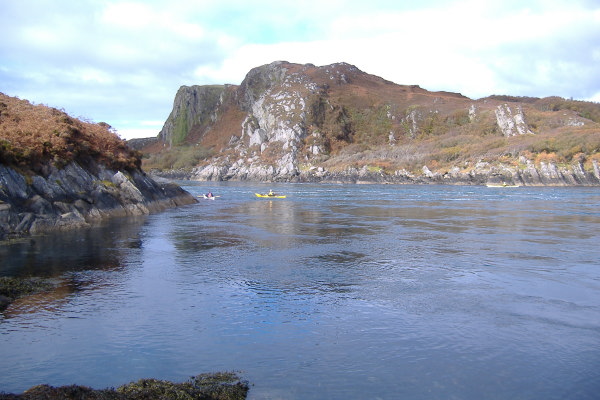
{"points": [[338, 291]]}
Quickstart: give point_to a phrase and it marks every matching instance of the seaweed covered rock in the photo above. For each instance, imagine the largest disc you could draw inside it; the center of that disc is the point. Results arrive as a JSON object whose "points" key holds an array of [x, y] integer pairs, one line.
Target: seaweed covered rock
{"points": [[14, 288], [211, 386]]}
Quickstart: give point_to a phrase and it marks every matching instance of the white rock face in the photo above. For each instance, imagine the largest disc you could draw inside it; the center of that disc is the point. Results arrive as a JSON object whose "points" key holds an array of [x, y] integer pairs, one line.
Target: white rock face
{"points": [[258, 136], [275, 114], [412, 119], [427, 172], [391, 138], [511, 124], [276, 120], [472, 113]]}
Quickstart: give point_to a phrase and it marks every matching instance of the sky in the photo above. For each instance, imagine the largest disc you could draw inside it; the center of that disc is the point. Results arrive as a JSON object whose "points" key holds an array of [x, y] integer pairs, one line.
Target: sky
{"points": [[121, 62]]}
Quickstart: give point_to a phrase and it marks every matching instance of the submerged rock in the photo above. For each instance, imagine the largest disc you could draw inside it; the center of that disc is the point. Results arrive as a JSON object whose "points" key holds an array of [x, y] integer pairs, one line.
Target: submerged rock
{"points": [[14, 288]]}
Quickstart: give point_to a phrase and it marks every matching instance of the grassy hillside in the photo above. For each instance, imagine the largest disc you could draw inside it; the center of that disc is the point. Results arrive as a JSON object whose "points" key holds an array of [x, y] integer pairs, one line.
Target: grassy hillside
{"points": [[33, 135], [443, 141]]}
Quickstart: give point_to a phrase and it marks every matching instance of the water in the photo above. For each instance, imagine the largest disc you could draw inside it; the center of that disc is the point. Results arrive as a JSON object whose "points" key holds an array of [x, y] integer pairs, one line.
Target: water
{"points": [[337, 292]]}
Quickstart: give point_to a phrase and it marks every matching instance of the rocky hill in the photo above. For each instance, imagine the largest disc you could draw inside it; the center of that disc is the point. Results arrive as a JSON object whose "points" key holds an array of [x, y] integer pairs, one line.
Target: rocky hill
{"points": [[57, 172], [291, 122]]}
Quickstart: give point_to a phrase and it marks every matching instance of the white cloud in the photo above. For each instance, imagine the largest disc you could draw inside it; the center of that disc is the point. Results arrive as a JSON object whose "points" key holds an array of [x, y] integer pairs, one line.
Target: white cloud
{"points": [[138, 133], [121, 61], [131, 16]]}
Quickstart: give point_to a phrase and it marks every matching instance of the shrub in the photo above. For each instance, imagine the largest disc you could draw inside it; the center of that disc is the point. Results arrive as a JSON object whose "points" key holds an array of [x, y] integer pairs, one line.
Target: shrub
{"points": [[32, 135], [546, 158]]}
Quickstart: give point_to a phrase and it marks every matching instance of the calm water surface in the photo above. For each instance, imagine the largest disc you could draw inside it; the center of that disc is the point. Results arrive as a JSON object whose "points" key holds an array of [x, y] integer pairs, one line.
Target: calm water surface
{"points": [[336, 292]]}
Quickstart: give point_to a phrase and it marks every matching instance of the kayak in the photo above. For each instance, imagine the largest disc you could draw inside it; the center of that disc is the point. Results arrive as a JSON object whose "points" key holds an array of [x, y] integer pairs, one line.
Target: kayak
{"points": [[274, 196], [208, 198]]}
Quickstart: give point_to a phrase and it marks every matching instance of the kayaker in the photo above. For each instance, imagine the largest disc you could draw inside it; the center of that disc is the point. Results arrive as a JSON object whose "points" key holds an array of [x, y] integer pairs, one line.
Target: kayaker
{"points": [[209, 194], [271, 193]]}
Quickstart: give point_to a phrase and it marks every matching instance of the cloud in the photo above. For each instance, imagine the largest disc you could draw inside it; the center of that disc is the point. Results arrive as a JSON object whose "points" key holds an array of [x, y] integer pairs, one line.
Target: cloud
{"points": [[123, 61]]}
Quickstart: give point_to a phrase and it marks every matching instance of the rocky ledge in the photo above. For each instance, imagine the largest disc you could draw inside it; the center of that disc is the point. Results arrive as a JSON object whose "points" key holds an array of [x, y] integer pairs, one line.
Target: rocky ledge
{"points": [[74, 196], [482, 173]]}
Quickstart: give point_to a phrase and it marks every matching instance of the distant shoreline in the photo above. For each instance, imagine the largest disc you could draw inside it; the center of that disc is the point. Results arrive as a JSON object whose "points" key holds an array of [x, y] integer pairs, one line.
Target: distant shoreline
{"points": [[548, 176]]}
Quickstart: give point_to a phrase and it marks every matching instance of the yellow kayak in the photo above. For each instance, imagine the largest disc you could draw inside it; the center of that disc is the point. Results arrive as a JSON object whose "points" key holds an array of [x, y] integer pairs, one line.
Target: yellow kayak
{"points": [[272, 196]]}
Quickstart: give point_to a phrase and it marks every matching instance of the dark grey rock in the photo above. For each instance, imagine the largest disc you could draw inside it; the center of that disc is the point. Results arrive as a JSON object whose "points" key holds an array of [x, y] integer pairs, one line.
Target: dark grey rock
{"points": [[73, 197]]}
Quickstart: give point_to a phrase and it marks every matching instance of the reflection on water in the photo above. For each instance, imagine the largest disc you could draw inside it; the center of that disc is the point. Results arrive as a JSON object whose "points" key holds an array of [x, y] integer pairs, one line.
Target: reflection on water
{"points": [[45, 302], [94, 248], [70, 259], [338, 291]]}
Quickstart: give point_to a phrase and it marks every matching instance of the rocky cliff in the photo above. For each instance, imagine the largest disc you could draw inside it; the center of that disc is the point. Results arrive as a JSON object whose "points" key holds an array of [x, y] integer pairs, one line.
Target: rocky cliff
{"points": [[291, 122], [60, 173]]}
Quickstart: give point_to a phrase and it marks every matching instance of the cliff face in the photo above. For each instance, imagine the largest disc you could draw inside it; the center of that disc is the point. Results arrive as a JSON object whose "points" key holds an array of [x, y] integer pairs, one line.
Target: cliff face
{"points": [[195, 109], [292, 122], [59, 173]]}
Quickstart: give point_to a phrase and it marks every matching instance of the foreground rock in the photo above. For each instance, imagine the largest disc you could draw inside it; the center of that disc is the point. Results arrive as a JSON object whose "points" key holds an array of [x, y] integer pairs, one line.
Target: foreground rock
{"points": [[74, 196], [218, 386]]}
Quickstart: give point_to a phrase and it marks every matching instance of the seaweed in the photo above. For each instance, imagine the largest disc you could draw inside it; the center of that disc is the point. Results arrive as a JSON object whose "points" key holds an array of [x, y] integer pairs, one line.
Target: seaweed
{"points": [[14, 288], [208, 386]]}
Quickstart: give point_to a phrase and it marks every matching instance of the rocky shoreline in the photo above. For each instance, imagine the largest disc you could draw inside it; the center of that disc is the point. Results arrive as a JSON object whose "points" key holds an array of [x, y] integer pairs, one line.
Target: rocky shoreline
{"points": [[483, 173], [76, 196]]}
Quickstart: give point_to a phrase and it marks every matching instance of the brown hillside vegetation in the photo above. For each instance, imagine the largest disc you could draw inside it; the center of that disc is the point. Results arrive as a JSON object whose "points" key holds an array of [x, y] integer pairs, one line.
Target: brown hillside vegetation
{"points": [[34, 135]]}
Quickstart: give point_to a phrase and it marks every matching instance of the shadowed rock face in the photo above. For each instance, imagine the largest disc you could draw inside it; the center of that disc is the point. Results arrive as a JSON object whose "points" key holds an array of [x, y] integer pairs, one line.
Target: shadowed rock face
{"points": [[73, 197]]}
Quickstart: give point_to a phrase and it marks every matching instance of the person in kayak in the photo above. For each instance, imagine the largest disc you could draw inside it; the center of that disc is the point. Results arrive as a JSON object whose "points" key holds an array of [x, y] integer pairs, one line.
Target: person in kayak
{"points": [[271, 193], [209, 195]]}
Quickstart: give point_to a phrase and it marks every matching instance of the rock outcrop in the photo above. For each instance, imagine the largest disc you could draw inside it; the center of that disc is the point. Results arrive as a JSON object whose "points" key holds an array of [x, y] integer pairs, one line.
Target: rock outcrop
{"points": [[291, 119], [73, 197], [195, 109], [58, 172], [291, 122], [549, 174], [511, 124]]}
